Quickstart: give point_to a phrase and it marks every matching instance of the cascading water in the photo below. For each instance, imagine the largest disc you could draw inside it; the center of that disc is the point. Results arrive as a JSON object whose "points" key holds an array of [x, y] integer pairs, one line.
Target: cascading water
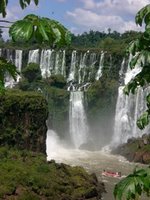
{"points": [[77, 118], [93, 61], [18, 62], [128, 109], [63, 68], [45, 63], [9, 82], [33, 56], [73, 66], [83, 70], [101, 64]]}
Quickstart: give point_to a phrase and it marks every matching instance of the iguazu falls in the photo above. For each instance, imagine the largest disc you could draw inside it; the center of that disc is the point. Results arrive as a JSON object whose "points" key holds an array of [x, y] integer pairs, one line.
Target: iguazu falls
{"points": [[74, 100]]}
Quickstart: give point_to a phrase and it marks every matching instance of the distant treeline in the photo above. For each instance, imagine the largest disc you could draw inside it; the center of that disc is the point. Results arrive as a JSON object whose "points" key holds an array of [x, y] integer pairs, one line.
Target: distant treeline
{"points": [[111, 41]]}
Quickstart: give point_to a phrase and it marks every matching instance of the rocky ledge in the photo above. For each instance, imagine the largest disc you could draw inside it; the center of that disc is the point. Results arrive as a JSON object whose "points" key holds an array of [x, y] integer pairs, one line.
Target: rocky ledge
{"points": [[136, 149], [27, 175]]}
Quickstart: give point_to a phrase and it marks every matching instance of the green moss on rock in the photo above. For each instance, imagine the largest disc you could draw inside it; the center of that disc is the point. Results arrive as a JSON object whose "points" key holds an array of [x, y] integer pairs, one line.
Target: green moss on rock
{"points": [[43, 180], [136, 149], [23, 120]]}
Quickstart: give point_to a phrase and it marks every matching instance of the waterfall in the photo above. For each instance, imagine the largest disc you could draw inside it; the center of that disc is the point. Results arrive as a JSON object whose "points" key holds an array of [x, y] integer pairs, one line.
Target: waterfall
{"points": [[18, 62], [73, 66], [58, 63], [77, 118], [9, 81], [129, 108], [101, 64], [45, 62], [93, 61], [33, 56], [63, 69], [82, 68]]}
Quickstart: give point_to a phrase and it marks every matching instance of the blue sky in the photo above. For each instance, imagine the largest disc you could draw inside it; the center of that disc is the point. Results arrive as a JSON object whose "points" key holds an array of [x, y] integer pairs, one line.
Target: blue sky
{"points": [[82, 15]]}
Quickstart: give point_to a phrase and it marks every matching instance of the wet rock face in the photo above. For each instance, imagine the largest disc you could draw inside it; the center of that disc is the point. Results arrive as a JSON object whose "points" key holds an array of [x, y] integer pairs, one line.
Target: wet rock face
{"points": [[136, 149], [23, 120]]}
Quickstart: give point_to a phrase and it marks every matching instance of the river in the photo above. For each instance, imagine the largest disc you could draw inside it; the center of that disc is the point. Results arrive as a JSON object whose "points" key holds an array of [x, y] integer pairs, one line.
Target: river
{"points": [[92, 161]]}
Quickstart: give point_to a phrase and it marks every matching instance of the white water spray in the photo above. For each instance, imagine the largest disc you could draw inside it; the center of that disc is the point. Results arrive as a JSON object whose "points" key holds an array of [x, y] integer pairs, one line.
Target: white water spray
{"points": [[77, 118]]}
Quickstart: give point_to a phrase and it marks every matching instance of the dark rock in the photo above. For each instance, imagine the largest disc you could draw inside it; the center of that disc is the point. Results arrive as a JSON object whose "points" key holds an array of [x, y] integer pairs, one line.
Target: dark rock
{"points": [[146, 157], [136, 149]]}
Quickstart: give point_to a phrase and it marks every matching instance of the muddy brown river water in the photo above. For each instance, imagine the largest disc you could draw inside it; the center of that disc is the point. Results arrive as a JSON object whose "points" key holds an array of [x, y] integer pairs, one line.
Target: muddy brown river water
{"points": [[95, 161]]}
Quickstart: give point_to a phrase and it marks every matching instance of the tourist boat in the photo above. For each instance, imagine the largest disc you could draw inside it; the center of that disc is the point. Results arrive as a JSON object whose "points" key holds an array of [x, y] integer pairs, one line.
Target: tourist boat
{"points": [[111, 174]]}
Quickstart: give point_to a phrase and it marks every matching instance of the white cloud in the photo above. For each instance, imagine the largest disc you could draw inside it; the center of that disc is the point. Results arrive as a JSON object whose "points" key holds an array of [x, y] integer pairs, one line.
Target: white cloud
{"points": [[87, 20], [88, 4], [100, 15]]}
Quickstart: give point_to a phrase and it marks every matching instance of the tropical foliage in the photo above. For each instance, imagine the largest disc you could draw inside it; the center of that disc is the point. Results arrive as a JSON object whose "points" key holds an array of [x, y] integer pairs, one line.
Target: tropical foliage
{"points": [[40, 30], [6, 67], [23, 4], [133, 185], [139, 182]]}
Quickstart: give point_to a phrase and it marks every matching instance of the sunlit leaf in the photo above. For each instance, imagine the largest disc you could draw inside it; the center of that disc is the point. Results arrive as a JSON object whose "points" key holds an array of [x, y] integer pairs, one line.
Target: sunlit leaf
{"points": [[143, 120], [141, 15], [40, 30], [21, 31]]}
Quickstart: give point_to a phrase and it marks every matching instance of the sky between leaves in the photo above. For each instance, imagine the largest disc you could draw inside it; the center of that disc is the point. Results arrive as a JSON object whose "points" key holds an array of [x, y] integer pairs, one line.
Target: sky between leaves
{"points": [[82, 15]]}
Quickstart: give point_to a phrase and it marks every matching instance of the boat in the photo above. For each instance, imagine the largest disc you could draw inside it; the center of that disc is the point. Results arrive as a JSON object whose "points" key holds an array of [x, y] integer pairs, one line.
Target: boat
{"points": [[111, 174]]}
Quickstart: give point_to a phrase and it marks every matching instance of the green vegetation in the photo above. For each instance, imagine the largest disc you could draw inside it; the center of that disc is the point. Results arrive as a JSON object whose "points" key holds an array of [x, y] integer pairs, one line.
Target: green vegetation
{"points": [[27, 175], [23, 118], [111, 42], [6, 67], [133, 185], [53, 89], [58, 106], [39, 30], [23, 4], [139, 182]]}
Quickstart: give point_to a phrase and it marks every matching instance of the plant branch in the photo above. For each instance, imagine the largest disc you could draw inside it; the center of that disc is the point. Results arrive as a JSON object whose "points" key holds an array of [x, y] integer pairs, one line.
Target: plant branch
{"points": [[6, 21], [4, 26]]}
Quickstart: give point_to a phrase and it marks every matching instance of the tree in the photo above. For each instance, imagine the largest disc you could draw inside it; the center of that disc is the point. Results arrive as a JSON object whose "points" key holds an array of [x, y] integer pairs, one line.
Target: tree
{"points": [[135, 184]]}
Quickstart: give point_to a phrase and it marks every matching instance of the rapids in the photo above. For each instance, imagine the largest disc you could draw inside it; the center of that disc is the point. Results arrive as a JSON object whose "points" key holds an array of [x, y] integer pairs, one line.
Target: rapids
{"points": [[92, 161]]}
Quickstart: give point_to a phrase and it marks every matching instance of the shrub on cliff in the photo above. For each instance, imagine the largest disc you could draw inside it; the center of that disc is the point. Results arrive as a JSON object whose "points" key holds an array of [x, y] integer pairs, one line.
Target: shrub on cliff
{"points": [[42, 180], [23, 118]]}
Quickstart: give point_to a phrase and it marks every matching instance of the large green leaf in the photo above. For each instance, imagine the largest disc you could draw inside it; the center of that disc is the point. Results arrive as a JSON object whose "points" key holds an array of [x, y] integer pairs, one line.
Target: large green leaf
{"points": [[6, 67], [143, 14], [143, 120], [21, 31], [42, 30], [133, 185]]}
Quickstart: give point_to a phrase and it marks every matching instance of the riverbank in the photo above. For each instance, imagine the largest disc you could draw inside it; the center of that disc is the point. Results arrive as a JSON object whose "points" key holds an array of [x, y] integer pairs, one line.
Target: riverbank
{"points": [[136, 149], [28, 175], [93, 162]]}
